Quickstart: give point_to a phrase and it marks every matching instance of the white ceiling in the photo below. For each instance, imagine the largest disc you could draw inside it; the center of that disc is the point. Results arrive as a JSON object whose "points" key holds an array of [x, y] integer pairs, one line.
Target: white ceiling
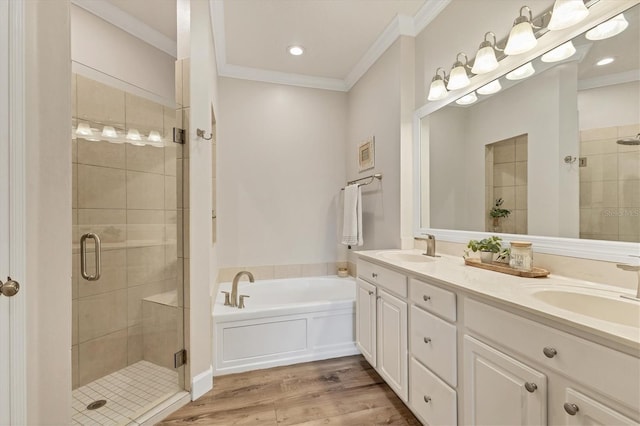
{"points": [[336, 33], [158, 14]]}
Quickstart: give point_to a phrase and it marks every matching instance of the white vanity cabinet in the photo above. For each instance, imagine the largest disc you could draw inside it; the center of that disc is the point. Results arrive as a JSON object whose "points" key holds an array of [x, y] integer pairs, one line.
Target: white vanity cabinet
{"points": [[519, 371], [433, 347], [381, 323]]}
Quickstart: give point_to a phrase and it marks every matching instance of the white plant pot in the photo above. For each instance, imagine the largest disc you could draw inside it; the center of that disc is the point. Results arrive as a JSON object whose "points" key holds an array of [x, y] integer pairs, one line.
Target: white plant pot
{"points": [[486, 256]]}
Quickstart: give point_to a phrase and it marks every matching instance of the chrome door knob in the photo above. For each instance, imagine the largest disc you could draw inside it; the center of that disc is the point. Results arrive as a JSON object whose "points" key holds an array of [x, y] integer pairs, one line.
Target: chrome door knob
{"points": [[571, 409], [549, 352], [10, 288]]}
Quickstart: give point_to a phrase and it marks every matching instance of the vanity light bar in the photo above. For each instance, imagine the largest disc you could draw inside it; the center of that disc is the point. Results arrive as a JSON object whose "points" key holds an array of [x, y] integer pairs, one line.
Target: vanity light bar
{"points": [[522, 38]]}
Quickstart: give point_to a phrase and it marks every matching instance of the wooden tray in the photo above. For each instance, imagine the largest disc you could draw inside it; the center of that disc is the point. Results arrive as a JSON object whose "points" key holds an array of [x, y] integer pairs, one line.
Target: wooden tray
{"points": [[505, 269]]}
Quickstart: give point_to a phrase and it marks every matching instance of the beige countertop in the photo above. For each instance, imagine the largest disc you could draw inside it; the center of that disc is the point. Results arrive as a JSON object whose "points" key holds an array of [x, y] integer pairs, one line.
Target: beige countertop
{"points": [[519, 293]]}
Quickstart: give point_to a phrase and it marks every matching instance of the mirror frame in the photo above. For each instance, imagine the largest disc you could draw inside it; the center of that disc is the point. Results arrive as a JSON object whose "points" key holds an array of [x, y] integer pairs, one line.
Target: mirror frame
{"points": [[613, 251]]}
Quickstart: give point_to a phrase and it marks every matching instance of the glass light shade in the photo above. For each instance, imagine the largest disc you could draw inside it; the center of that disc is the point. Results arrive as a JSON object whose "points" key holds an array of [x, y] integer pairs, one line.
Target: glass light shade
{"points": [[84, 129], [134, 135], [490, 88], [458, 78], [521, 39], [560, 53], [524, 71], [109, 132], [610, 28], [437, 90], [567, 13], [154, 136], [467, 99], [485, 61]]}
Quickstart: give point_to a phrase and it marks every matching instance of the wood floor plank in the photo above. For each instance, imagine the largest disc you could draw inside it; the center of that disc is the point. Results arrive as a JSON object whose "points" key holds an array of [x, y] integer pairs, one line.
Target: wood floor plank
{"points": [[340, 391]]}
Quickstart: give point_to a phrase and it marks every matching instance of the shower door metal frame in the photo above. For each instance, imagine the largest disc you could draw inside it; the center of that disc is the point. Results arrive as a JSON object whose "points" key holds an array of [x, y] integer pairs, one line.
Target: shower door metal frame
{"points": [[12, 211]]}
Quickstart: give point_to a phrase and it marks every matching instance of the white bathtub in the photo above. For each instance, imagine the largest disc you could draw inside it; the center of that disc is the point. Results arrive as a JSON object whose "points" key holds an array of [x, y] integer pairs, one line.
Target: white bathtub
{"points": [[285, 321]]}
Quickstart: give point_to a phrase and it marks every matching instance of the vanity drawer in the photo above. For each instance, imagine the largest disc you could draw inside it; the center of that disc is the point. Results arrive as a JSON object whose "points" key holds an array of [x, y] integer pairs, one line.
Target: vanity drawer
{"points": [[391, 280], [433, 400], [595, 366], [433, 342], [433, 299]]}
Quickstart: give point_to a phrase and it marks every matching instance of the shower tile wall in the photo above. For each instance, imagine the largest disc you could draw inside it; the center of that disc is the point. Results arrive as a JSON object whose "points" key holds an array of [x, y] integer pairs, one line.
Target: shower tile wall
{"points": [[506, 178], [127, 195], [610, 185]]}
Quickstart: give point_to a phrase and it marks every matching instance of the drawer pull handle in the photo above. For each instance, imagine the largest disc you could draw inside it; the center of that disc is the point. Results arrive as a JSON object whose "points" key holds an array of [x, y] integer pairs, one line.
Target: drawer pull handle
{"points": [[427, 339], [374, 275], [530, 387], [426, 298], [427, 399], [571, 409], [370, 293], [549, 352]]}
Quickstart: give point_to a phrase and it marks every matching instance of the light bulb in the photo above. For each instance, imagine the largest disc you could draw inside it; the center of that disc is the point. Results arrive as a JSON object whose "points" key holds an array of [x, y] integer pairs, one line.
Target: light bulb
{"points": [[295, 50], [467, 99], [109, 132], [567, 13], [604, 61], [490, 88], [522, 72], [134, 135], [610, 28], [560, 53]]}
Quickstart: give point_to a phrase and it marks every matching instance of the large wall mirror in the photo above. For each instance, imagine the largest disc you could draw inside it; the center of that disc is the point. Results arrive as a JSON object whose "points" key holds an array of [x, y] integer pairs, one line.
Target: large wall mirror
{"points": [[556, 147]]}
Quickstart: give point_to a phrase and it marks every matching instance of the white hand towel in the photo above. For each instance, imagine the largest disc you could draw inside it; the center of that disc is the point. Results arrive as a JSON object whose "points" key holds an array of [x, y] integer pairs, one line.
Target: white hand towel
{"points": [[352, 223]]}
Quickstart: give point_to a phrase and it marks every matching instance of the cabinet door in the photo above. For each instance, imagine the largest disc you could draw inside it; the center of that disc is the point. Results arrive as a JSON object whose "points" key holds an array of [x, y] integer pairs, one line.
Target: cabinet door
{"points": [[500, 390], [366, 320], [582, 410], [392, 342]]}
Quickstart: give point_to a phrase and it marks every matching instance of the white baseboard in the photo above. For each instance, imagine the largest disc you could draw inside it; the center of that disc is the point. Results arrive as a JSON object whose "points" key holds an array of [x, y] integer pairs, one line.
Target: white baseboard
{"points": [[202, 383]]}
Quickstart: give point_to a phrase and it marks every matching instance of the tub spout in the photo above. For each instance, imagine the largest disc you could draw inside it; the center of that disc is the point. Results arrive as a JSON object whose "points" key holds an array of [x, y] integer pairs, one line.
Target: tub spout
{"points": [[234, 288]]}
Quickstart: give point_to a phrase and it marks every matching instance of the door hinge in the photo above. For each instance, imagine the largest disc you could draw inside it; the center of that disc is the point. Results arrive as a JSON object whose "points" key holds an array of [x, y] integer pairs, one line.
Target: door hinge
{"points": [[180, 358], [178, 135]]}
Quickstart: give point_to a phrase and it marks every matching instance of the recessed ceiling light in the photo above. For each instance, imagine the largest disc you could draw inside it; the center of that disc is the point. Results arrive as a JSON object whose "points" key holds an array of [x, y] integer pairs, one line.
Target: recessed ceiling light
{"points": [[605, 61], [295, 50]]}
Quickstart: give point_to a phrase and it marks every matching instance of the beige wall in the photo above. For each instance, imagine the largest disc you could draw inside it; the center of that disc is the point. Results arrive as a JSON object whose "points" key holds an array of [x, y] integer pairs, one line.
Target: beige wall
{"points": [[281, 165], [102, 46], [48, 205]]}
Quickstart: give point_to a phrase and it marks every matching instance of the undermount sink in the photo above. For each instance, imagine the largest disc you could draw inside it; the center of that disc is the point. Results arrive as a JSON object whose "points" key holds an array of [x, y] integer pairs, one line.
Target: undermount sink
{"points": [[605, 307], [400, 256]]}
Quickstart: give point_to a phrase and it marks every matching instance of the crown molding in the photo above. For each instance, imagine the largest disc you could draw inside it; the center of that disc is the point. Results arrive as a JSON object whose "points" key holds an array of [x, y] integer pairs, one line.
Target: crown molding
{"points": [[609, 80], [129, 24], [268, 76], [428, 13], [399, 26]]}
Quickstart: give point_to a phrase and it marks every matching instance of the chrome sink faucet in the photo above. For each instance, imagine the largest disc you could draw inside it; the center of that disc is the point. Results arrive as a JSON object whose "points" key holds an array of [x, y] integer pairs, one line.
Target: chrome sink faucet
{"points": [[632, 268], [431, 244], [234, 288]]}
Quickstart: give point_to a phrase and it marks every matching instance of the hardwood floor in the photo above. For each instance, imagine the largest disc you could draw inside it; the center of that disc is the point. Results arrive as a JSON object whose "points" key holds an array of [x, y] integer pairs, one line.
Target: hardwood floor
{"points": [[340, 391]]}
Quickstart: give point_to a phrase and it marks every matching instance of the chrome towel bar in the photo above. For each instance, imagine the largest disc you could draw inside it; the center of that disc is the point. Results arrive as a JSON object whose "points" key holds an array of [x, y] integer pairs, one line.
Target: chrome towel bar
{"points": [[369, 178]]}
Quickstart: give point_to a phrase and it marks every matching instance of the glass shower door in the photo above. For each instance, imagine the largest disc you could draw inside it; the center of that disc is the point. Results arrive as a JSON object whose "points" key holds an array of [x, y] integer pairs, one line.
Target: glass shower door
{"points": [[127, 274]]}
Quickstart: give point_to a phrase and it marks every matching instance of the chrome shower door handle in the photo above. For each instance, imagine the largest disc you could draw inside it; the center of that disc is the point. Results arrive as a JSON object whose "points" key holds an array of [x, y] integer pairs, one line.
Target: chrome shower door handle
{"points": [[83, 256]]}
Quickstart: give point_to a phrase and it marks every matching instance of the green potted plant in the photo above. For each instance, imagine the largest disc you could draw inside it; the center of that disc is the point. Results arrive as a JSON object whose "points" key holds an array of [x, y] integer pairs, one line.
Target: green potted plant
{"points": [[487, 247], [497, 212]]}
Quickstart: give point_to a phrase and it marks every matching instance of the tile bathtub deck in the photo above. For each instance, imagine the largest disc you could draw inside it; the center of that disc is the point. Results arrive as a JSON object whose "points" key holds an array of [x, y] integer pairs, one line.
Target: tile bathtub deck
{"points": [[129, 392]]}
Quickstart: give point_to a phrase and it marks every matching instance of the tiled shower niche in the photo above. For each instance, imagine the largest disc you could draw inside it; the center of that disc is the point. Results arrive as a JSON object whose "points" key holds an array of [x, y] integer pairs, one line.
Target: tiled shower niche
{"points": [[129, 192], [506, 178]]}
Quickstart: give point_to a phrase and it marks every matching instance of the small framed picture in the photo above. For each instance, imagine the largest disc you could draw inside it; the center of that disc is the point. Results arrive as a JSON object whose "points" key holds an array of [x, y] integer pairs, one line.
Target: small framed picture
{"points": [[366, 154]]}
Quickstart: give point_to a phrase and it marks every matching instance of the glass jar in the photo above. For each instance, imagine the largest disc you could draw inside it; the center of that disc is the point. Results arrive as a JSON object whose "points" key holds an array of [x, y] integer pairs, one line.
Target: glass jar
{"points": [[521, 256]]}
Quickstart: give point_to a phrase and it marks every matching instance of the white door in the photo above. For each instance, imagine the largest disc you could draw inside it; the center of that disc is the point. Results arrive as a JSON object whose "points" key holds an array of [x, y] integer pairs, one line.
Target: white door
{"points": [[366, 320], [392, 343], [500, 390], [5, 351]]}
